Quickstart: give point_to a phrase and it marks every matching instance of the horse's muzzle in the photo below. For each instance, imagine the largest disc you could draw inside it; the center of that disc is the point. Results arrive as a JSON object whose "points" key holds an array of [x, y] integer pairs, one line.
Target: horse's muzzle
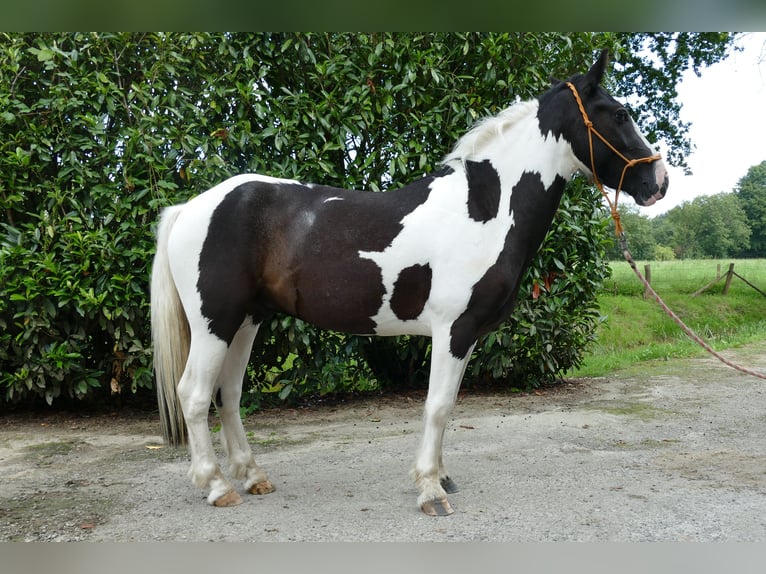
{"points": [[661, 181]]}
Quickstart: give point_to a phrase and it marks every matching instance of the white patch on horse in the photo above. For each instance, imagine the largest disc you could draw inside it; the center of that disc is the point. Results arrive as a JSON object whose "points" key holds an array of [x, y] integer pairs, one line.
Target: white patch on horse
{"points": [[458, 249], [515, 133], [440, 232], [660, 171], [329, 199], [305, 221]]}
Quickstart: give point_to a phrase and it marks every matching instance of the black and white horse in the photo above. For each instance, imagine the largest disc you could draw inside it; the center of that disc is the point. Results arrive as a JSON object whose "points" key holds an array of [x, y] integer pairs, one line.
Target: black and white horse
{"points": [[441, 257]]}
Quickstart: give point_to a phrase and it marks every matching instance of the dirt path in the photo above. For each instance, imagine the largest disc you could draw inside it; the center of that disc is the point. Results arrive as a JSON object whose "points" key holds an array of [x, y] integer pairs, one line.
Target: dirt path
{"points": [[674, 451]]}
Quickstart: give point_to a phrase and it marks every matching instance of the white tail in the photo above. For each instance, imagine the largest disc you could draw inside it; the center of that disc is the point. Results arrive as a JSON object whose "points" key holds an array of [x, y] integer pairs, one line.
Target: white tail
{"points": [[170, 334]]}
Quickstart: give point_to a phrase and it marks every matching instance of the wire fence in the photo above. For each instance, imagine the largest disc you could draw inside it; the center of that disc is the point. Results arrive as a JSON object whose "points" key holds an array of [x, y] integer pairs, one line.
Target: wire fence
{"points": [[688, 276]]}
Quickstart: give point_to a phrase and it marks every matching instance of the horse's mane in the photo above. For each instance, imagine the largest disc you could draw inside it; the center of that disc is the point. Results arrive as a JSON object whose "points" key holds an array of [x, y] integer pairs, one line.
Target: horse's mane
{"points": [[484, 131]]}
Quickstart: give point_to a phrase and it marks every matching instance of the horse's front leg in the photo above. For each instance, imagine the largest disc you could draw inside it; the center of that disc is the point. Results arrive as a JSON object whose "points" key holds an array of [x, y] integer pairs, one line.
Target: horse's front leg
{"points": [[430, 474]]}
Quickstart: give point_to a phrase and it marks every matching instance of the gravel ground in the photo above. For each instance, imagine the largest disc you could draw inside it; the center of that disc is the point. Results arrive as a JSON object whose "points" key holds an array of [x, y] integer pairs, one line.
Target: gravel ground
{"points": [[673, 451]]}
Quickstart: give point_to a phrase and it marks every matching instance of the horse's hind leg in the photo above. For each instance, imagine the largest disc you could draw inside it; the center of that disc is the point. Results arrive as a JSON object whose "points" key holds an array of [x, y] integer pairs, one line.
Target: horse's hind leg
{"points": [[195, 390], [429, 472], [241, 461]]}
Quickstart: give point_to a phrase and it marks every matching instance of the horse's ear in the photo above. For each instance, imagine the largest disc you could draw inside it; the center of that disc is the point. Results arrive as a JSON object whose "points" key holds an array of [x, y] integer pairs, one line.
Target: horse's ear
{"points": [[554, 81], [597, 71]]}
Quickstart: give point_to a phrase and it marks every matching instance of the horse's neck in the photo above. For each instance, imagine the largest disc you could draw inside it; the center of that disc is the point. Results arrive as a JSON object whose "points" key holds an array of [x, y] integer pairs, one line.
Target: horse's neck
{"points": [[528, 163], [524, 149], [533, 169]]}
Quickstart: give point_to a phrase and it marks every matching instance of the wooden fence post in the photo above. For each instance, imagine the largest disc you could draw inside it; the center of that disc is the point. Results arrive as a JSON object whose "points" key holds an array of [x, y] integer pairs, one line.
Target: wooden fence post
{"points": [[729, 277], [648, 276]]}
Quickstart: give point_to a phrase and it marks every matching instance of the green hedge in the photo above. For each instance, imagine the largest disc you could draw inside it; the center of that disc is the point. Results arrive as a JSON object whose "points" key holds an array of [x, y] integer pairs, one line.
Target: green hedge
{"points": [[99, 131]]}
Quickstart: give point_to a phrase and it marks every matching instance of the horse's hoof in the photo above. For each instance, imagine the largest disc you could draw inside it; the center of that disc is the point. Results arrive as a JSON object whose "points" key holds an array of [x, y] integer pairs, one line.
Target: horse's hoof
{"points": [[231, 498], [263, 487], [449, 485], [438, 507]]}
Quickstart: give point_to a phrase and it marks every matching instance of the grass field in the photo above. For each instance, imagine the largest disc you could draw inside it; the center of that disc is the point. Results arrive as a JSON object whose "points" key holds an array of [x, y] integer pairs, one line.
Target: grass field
{"points": [[637, 329]]}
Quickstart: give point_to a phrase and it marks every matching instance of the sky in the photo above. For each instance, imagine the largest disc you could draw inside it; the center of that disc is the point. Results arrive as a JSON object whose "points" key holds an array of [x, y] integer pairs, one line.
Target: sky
{"points": [[727, 109]]}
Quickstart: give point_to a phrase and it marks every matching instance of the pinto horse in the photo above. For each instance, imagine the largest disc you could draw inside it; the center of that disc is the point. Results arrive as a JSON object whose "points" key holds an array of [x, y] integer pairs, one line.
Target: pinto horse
{"points": [[441, 257]]}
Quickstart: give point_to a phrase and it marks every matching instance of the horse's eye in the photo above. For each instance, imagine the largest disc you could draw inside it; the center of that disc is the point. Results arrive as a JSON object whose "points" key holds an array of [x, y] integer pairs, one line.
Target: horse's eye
{"points": [[621, 115]]}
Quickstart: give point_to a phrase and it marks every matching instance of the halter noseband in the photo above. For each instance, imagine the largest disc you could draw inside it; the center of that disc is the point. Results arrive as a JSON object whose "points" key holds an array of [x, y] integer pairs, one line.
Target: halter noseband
{"points": [[628, 162]]}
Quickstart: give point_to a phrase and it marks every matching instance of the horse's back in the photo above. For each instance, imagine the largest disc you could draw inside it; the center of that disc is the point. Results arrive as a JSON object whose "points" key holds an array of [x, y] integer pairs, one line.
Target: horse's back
{"points": [[261, 245]]}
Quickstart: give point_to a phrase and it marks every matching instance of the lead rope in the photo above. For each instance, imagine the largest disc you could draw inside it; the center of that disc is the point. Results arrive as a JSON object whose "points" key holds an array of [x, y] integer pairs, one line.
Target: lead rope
{"points": [[679, 322], [620, 232]]}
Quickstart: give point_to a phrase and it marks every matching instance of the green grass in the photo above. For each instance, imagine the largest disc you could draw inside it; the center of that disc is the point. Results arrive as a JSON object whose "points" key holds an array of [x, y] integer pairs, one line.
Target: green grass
{"points": [[637, 329]]}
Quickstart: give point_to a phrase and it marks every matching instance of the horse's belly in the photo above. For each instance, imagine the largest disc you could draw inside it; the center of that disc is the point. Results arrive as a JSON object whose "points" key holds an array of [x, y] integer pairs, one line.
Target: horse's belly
{"points": [[391, 326], [353, 306]]}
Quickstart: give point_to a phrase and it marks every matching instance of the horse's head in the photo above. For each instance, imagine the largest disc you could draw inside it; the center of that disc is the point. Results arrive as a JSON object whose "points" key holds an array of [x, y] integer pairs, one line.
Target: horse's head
{"points": [[603, 136]]}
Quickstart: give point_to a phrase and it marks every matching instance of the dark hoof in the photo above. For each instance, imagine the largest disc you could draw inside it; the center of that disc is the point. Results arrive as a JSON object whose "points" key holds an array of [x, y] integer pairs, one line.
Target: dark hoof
{"points": [[449, 485], [439, 507]]}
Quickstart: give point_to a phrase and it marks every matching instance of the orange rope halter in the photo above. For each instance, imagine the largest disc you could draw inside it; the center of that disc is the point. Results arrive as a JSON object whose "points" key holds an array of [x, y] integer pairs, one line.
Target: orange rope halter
{"points": [[628, 162], [624, 241]]}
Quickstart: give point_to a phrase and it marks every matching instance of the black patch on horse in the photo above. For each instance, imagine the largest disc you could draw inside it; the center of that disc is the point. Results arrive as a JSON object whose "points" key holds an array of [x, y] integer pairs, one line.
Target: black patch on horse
{"points": [[411, 291], [283, 247], [483, 190], [552, 118], [493, 297]]}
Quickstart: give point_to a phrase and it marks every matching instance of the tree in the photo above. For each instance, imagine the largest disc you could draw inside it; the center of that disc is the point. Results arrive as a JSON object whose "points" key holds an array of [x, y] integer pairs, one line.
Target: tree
{"points": [[648, 72], [99, 131], [709, 226], [664, 233], [639, 232], [663, 253], [722, 229], [676, 229], [751, 191]]}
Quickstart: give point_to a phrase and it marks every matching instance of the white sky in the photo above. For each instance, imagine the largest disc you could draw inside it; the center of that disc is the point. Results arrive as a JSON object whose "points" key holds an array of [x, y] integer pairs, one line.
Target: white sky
{"points": [[727, 109]]}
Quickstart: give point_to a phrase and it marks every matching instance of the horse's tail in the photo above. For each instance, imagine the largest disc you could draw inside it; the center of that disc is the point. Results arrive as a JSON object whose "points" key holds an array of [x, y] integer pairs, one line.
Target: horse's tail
{"points": [[170, 334]]}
